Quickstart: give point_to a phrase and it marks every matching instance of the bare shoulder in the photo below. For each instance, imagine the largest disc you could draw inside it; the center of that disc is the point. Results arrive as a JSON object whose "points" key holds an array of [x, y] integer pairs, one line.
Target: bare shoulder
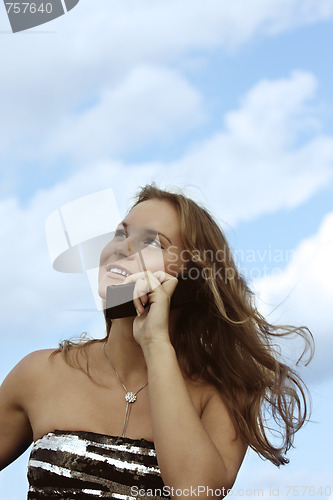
{"points": [[30, 365], [39, 368], [33, 360], [15, 391], [24, 376]]}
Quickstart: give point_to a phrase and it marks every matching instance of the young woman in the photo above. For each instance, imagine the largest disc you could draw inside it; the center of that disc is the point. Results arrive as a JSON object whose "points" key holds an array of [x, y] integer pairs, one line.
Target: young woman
{"points": [[168, 402]]}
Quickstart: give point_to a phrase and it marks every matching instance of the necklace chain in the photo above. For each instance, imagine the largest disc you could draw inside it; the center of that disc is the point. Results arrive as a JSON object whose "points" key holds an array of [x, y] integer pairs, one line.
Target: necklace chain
{"points": [[130, 397]]}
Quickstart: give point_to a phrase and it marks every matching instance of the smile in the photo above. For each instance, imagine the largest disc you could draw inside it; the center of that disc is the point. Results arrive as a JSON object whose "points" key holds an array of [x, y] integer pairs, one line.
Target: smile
{"points": [[117, 270]]}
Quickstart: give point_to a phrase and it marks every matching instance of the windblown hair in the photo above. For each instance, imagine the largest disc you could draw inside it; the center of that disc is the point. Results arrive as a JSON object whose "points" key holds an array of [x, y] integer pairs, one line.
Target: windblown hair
{"points": [[226, 342]]}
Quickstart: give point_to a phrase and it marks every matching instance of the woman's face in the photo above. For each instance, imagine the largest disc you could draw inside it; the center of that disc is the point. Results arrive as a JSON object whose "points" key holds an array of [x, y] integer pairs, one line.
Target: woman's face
{"points": [[148, 238]]}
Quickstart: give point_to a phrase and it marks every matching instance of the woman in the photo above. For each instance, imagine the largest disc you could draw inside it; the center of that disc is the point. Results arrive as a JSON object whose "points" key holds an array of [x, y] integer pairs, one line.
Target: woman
{"points": [[168, 402]]}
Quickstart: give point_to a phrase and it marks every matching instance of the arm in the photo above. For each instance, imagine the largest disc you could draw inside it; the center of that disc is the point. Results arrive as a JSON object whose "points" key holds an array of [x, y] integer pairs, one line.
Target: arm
{"points": [[15, 429], [192, 450]]}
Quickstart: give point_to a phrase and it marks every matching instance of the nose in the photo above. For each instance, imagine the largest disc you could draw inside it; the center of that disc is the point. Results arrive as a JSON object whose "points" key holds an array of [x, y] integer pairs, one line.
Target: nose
{"points": [[124, 248]]}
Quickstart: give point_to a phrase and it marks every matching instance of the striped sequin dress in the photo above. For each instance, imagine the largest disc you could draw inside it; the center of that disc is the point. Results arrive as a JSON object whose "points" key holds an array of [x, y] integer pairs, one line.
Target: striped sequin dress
{"points": [[85, 465]]}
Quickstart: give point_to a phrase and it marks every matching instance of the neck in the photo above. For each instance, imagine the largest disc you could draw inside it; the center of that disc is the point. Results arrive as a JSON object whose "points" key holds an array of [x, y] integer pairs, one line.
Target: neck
{"points": [[125, 353]]}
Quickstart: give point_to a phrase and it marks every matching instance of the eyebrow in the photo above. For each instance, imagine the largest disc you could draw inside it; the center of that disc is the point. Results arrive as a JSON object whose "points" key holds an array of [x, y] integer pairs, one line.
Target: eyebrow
{"points": [[149, 230]]}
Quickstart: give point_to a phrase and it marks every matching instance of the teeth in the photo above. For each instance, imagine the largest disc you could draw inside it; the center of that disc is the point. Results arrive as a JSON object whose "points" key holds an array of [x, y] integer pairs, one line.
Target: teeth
{"points": [[118, 271]]}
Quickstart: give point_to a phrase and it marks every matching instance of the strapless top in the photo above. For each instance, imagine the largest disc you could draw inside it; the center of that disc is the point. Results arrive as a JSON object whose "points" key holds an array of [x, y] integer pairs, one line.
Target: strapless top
{"points": [[84, 465]]}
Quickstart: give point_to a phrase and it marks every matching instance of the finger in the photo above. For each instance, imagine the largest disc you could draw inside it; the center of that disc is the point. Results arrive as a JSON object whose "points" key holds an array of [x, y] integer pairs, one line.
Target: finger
{"points": [[168, 281], [161, 276], [151, 281], [142, 290], [145, 282], [170, 285]]}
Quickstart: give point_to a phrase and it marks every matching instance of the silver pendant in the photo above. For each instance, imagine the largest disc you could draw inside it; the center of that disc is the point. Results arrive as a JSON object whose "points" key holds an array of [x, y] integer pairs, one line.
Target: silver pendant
{"points": [[130, 397]]}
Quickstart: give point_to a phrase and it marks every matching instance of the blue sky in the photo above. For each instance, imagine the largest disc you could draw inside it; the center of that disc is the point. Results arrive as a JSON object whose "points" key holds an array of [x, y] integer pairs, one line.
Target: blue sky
{"points": [[231, 101]]}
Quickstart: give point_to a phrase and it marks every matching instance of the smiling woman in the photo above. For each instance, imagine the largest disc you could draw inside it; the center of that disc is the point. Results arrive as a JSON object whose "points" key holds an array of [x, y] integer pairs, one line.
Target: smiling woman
{"points": [[170, 399]]}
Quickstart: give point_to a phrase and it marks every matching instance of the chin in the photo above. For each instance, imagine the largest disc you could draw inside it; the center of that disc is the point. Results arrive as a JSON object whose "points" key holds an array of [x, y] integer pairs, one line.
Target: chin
{"points": [[102, 291]]}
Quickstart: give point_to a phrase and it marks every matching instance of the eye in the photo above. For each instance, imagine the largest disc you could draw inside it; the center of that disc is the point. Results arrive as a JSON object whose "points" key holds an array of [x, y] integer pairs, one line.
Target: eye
{"points": [[120, 233], [154, 242]]}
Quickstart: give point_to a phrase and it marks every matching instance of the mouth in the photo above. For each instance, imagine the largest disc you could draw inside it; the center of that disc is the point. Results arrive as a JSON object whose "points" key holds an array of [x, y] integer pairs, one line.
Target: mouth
{"points": [[113, 268]]}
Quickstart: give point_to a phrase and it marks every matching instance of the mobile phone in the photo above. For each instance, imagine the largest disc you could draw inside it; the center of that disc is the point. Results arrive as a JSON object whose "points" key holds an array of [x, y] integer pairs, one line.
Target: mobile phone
{"points": [[119, 298]]}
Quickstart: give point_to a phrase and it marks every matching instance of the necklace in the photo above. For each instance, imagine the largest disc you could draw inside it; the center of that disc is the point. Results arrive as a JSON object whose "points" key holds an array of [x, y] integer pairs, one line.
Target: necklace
{"points": [[130, 397]]}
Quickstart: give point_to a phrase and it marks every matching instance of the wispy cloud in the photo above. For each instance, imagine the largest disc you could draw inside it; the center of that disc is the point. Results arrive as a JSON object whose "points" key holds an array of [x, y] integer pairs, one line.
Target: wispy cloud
{"points": [[149, 106], [122, 52], [281, 173], [302, 294]]}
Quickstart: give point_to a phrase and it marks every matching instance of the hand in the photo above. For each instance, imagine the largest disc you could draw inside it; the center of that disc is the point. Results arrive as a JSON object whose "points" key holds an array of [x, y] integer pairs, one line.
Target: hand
{"points": [[154, 289]]}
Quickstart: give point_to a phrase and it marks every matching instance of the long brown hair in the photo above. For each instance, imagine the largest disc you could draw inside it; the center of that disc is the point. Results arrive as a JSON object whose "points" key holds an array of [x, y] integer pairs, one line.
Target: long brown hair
{"points": [[227, 342]]}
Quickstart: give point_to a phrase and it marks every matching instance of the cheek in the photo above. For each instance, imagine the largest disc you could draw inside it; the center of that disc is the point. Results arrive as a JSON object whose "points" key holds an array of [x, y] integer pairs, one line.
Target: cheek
{"points": [[175, 265], [107, 251], [152, 260]]}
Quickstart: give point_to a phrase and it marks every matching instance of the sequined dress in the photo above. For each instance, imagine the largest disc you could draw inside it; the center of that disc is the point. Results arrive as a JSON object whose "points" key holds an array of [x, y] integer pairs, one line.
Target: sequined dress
{"points": [[85, 465]]}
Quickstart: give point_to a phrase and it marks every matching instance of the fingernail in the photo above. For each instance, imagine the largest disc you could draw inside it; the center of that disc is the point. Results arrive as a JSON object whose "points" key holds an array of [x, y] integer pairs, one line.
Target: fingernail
{"points": [[137, 312]]}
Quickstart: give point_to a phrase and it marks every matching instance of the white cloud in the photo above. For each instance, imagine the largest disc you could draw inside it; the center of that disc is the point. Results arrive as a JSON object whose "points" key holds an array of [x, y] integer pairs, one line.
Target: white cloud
{"points": [[273, 142], [31, 291], [303, 293], [166, 30], [151, 105], [241, 180], [95, 60], [97, 55], [258, 163]]}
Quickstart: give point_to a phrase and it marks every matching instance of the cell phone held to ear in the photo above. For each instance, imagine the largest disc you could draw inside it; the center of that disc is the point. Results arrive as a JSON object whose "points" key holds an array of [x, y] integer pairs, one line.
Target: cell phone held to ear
{"points": [[119, 298]]}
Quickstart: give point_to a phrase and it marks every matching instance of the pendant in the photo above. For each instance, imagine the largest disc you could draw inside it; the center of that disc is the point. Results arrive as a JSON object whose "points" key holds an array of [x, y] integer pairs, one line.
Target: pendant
{"points": [[130, 397]]}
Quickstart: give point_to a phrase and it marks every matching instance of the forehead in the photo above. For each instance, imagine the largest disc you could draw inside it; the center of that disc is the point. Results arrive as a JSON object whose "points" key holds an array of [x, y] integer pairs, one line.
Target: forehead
{"points": [[158, 215]]}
